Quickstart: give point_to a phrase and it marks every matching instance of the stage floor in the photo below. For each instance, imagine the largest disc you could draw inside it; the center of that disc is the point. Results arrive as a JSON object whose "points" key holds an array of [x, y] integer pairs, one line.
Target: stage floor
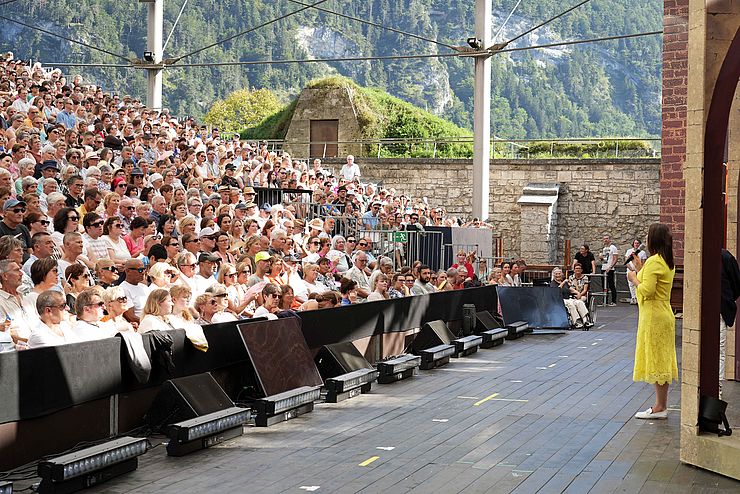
{"points": [[539, 414]]}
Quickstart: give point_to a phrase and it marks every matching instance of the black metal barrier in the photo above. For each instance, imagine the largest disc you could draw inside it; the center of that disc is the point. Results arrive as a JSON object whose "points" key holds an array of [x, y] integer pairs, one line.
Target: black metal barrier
{"points": [[45, 389]]}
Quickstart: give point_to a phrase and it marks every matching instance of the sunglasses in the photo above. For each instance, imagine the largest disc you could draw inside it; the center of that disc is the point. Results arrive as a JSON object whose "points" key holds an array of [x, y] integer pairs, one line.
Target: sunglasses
{"points": [[97, 224], [173, 245], [45, 222], [19, 210], [117, 225], [73, 218], [122, 300], [59, 307], [138, 270], [271, 295], [214, 302], [362, 244], [98, 304], [187, 265], [351, 240], [122, 185], [131, 208], [245, 272], [112, 269], [315, 243]]}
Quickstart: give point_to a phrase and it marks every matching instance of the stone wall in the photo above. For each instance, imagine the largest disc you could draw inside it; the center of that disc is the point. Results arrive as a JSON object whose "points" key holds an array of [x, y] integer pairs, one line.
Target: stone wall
{"points": [[596, 196]]}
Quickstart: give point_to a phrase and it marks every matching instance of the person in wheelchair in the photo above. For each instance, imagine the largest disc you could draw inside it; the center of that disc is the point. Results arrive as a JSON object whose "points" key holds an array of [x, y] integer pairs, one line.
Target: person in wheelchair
{"points": [[576, 308]]}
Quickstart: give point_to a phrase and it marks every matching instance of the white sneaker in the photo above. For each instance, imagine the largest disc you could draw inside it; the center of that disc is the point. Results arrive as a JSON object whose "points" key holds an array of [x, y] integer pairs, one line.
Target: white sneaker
{"points": [[649, 415], [633, 301]]}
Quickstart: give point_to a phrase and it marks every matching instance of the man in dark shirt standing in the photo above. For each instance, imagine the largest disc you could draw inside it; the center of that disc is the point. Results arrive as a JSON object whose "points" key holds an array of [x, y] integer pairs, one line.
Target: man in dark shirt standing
{"points": [[730, 291], [12, 224]]}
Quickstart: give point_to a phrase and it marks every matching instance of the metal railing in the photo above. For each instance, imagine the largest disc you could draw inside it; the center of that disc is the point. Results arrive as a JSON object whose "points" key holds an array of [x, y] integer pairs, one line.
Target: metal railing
{"points": [[405, 248], [462, 147]]}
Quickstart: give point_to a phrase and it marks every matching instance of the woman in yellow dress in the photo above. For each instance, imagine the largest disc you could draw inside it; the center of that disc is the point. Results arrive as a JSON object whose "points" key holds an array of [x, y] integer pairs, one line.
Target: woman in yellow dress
{"points": [[655, 353]]}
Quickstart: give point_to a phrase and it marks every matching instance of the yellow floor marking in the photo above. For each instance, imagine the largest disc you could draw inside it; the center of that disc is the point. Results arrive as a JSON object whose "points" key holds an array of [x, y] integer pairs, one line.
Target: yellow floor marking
{"points": [[485, 399], [509, 399], [368, 461]]}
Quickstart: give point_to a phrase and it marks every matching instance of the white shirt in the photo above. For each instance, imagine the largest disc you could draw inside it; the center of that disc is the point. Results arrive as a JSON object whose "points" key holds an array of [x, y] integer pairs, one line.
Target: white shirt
{"points": [[120, 251], [201, 284], [42, 335], [22, 314], [262, 312], [86, 331], [349, 172], [609, 253], [153, 323], [137, 295]]}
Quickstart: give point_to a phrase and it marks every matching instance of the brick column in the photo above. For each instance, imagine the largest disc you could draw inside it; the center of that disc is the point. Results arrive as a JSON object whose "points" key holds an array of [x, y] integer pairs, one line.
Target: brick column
{"points": [[675, 91]]}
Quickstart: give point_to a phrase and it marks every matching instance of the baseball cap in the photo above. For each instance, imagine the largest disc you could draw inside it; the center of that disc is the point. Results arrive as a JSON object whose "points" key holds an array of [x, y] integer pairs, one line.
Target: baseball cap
{"points": [[207, 232], [214, 197], [231, 166], [11, 203], [241, 206], [207, 257], [49, 165], [261, 256], [266, 207], [154, 177]]}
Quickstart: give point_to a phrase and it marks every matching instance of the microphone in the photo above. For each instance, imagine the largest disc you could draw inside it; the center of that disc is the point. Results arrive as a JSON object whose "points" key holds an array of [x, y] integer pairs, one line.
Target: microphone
{"points": [[635, 253]]}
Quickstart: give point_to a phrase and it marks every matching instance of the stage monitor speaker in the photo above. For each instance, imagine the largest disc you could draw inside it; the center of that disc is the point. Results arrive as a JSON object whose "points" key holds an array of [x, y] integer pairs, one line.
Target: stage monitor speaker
{"points": [[487, 321], [432, 334], [185, 398], [338, 359]]}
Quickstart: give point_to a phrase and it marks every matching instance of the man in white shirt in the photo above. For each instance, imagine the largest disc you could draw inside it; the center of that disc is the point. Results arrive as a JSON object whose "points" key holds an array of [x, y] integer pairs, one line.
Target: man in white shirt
{"points": [[350, 170], [204, 279], [52, 330], [609, 256], [15, 318], [422, 285], [357, 274], [89, 307], [136, 291]]}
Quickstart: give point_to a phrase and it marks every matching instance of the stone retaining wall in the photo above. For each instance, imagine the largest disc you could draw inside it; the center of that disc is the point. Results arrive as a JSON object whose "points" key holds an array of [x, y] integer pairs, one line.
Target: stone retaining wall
{"points": [[621, 197]]}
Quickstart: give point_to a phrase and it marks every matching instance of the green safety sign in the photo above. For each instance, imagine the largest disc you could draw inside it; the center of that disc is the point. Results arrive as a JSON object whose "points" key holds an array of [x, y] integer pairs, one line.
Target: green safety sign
{"points": [[398, 237]]}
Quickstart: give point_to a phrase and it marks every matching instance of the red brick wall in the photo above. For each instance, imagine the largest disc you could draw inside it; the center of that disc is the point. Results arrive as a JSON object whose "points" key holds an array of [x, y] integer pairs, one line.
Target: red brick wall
{"points": [[675, 89]]}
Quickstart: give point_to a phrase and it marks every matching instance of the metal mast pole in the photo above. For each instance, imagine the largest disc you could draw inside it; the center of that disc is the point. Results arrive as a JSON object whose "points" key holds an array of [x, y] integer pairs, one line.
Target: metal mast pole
{"points": [[154, 45], [482, 112]]}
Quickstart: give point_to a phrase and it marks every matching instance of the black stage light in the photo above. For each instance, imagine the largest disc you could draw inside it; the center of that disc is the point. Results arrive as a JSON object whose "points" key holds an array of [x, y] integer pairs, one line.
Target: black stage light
{"points": [[91, 466], [466, 345], [475, 43], [349, 385], [398, 368], [285, 406], [437, 356], [206, 431], [6, 487], [149, 56], [493, 337], [516, 329]]}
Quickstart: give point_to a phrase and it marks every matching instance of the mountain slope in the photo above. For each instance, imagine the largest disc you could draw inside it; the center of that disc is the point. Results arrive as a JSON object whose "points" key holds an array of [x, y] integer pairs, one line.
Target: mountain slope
{"points": [[609, 88]]}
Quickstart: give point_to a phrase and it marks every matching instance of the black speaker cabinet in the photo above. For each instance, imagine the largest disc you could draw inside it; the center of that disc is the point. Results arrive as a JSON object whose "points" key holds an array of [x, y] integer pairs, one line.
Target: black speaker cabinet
{"points": [[486, 321], [340, 358], [186, 398], [432, 334]]}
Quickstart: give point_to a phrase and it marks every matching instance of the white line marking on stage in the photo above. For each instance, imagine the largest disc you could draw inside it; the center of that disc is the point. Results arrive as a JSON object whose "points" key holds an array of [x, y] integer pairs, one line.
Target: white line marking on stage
{"points": [[440, 420]]}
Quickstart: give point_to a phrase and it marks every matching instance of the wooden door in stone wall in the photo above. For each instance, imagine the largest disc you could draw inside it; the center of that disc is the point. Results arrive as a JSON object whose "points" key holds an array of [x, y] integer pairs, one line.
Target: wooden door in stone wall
{"points": [[324, 137]]}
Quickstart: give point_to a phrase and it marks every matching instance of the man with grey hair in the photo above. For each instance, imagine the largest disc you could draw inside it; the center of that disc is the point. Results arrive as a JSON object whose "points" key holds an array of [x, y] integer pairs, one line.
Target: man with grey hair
{"points": [[52, 330], [54, 203], [48, 186], [73, 246], [126, 213], [278, 237], [17, 317], [357, 274]]}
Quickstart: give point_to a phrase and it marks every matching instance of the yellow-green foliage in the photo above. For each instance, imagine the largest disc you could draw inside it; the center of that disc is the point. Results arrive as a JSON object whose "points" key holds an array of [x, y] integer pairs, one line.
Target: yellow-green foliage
{"points": [[243, 108]]}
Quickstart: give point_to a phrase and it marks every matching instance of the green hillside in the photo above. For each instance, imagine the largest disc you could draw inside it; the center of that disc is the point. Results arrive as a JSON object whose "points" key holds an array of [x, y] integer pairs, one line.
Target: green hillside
{"points": [[610, 88]]}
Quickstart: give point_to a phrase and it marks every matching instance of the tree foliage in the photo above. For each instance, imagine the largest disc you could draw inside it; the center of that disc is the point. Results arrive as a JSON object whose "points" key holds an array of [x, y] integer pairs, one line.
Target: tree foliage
{"points": [[242, 108]]}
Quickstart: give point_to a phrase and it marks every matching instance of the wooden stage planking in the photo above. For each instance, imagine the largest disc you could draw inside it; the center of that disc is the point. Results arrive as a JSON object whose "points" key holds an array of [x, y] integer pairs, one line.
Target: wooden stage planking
{"points": [[558, 418]]}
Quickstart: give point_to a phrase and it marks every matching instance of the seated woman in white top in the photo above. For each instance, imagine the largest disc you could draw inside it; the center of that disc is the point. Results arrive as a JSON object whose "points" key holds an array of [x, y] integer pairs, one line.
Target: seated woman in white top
{"points": [[182, 318], [52, 329], [116, 303], [162, 275], [113, 235], [158, 305], [270, 297]]}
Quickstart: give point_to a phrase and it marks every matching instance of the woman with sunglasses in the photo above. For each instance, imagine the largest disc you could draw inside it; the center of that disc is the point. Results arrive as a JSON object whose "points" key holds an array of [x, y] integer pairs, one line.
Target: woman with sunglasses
{"points": [[106, 273], [270, 298], [66, 220], [163, 275], [207, 307], [116, 303], [36, 223], [113, 234], [78, 279], [156, 309], [172, 246], [237, 295]]}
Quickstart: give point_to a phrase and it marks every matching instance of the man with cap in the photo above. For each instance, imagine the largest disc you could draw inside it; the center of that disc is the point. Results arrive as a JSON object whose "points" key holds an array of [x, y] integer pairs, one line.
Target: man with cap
{"points": [[240, 211], [91, 159], [229, 179], [49, 169], [263, 261], [12, 224], [137, 177], [264, 214], [205, 279], [249, 194], [207, 240]]}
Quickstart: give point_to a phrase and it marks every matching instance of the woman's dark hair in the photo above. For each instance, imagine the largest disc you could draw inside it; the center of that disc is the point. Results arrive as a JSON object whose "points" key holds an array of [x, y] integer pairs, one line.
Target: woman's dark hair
{"points": [[206, 206], [40, 268], [285, 289], [144, 193], [108, 223], [660, 241], [130, 189], [346, 286], [60, 219], [577, 264], [162, 220], [139, 222], [73, 271], [221, 217], [31, 218], [268, 224]]}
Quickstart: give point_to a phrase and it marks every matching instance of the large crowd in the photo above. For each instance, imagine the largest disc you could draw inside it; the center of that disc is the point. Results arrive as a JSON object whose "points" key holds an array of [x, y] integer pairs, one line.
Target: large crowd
{"points": [[117, 218]]}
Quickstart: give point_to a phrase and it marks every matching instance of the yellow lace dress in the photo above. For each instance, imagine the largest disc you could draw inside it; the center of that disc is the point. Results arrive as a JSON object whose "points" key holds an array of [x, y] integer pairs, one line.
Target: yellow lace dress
{"points": [[655, 353]]}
